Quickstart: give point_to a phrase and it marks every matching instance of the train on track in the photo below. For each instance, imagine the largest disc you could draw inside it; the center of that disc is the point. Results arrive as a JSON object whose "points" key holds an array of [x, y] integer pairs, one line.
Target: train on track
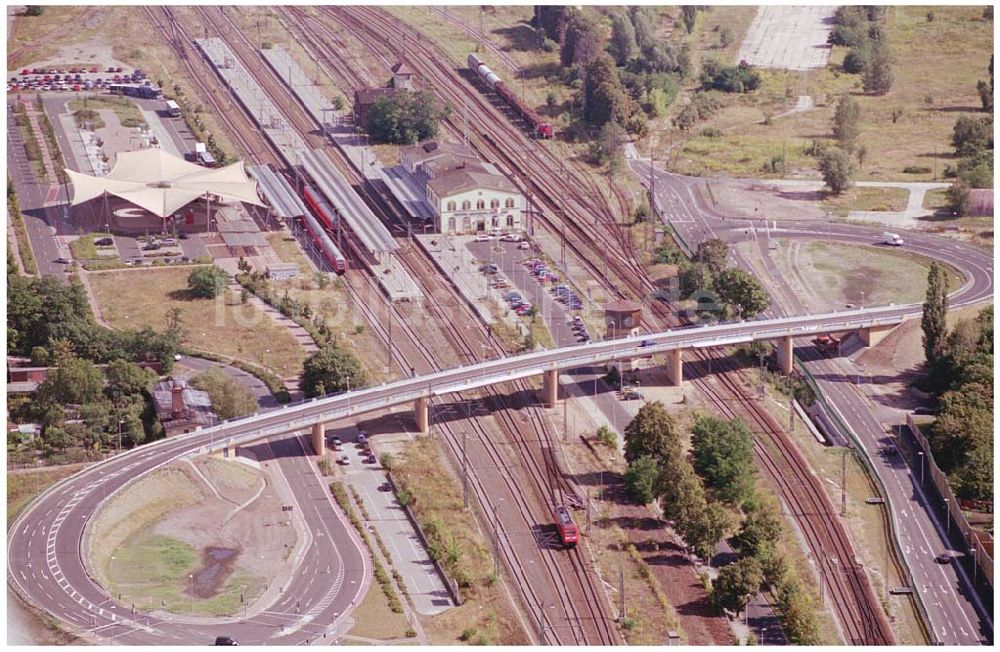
{"points": [[539, 128], [319, 230], [569, 535]]}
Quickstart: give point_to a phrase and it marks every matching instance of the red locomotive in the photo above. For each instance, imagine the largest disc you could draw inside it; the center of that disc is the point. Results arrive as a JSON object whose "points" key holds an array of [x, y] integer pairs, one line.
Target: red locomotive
{"points": [[539, 127], [569, 535]]}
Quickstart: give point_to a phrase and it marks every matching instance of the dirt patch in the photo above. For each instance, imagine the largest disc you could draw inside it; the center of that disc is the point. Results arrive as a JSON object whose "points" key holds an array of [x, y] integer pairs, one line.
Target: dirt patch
{"points": [[216, 566], [762, 200]]}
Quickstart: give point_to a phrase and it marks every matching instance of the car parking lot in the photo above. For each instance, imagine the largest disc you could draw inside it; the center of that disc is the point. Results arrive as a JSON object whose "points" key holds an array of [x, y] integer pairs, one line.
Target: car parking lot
{"points": [[73, 79]]}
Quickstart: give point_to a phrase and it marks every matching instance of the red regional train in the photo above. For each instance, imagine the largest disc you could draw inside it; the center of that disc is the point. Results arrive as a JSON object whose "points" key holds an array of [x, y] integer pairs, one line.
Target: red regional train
{"points": [[539, 127], [569, 535], [319, 232]]}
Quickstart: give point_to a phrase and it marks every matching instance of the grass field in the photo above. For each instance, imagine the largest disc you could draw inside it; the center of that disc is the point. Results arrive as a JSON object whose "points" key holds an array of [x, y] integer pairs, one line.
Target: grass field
{"points": [[83, 248], [222, 325], [836, 274], [374, 619], [128, 113], [866, 199], [935, 65], [290, 252]]}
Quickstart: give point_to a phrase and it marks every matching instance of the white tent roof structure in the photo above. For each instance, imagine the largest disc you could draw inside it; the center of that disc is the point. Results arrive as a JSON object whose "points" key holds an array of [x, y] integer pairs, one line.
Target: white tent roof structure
{"points": [[162, 183]]}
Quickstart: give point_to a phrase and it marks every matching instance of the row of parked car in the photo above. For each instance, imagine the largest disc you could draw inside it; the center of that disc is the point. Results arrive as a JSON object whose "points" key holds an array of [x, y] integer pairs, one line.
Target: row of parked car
{"points": [[517, 303], [579, 329], [566, 296], [73, 79]]}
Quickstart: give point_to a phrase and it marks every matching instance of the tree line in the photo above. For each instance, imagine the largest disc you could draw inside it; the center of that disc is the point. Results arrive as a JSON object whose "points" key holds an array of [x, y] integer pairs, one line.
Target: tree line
{"points": [[713, 496], [960, 377]]}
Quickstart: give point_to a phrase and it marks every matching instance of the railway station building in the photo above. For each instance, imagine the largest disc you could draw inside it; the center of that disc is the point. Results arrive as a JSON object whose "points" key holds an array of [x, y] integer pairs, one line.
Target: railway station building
{"points": [[467, 195]]}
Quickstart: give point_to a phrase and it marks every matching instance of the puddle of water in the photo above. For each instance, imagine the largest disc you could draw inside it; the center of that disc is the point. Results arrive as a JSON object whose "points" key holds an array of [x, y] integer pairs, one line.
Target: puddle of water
{"points": [[217, 563]]}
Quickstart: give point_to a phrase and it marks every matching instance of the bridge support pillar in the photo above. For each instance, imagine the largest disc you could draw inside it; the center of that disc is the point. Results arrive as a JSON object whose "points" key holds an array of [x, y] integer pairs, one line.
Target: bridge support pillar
{"points": [[785, 359], [875, 334], [550, 388], [422, 416], [319, 438], [230, 450], [675, 367]]}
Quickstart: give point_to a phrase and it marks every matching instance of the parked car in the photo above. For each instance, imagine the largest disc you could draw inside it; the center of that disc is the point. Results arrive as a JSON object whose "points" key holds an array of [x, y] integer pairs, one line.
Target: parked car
{"points": [[344, 460], [168, 241], [482, 237], [62, 261], [104, 242], [362, 438], [225, 640], [524, 245], [183, 236]]}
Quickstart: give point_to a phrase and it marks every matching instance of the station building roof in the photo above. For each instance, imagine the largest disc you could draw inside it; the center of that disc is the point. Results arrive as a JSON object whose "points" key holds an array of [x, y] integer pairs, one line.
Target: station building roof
{"points": [[162, 183]]}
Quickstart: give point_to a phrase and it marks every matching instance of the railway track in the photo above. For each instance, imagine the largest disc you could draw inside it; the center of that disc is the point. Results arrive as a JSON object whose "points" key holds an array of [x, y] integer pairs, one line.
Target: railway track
{"points": [[240, 127], [592, 624], [859, 612]]}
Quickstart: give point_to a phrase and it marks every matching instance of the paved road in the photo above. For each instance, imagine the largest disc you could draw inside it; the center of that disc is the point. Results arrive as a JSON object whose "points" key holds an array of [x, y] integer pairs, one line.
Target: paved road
{"points": [[31, 195], [44, 562], [957, 613]]}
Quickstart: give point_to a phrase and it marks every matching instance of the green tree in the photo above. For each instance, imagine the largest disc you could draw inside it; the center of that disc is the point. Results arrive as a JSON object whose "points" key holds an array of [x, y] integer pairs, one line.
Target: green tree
{"points": [[707, 527], [737, 287], [582, 41], [760, 531], [838, 169], [334, 367], [208, 282], [405, 117], [689, 16], [73, 381], [552, 19], [959, 198], [878, 77], [934, 320], [712, 253], [34, 10], [657, 103], [723, 455], [972, 135], [985, 90], [652, 432], [622, 46], [642, 479], [846, 121], [125, 378], [229, 398], [798, 614], [603, 93], [737, 582], [644, 20]]}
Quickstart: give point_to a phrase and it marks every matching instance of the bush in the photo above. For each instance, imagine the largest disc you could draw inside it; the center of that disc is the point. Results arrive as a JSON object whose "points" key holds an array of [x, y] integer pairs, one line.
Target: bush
{"points": [[855, 61], [208, 282], [916, 169]]}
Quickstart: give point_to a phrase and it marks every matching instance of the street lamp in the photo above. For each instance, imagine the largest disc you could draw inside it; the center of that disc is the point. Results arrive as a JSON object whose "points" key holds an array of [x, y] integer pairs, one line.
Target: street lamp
{"points": [[120, 422], [921, 455]]}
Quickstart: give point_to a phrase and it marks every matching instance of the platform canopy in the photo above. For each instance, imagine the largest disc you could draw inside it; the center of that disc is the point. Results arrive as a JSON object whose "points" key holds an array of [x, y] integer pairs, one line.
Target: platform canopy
{"points": [[162, 183]]}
